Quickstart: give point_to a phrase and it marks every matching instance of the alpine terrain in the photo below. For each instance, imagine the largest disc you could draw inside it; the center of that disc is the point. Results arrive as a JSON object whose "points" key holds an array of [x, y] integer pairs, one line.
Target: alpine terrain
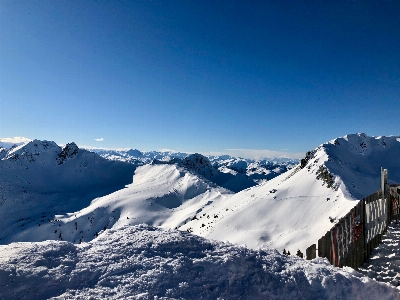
{"points": [[82, 219]]}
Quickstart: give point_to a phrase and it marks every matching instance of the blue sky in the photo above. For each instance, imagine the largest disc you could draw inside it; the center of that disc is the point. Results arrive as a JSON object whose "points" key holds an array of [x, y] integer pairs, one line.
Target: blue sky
{"points": [[202, 76]]}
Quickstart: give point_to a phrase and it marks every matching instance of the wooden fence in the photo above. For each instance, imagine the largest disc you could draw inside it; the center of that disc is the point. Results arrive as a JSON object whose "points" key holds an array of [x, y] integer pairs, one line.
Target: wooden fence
{"points": [[351, 240]]}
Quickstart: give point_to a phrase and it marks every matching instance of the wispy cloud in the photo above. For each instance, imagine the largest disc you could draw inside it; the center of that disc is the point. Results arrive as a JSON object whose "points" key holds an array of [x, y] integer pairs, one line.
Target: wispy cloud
{"points": [[168, 150], [102, 148], [15, 140], [99, 140]]}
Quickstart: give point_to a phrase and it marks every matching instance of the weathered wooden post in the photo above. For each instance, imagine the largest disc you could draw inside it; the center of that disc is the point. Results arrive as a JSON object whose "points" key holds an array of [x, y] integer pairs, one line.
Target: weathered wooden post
{"points": [[361, 239], [385, 196], [311, 252], [365, 228]]}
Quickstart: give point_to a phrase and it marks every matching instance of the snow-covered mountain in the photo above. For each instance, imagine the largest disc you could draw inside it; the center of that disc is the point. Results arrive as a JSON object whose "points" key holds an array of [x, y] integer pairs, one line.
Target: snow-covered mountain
{"points": [[138, 157], [291, 211], [296, 208], [166, 195], [143, 262], [40, 179], [202, 166], [356, 159], [256, 170]]}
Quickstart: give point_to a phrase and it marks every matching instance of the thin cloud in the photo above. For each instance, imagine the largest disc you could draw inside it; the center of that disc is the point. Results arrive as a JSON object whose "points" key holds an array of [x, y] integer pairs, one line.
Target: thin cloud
{"points": [[99, 140], [168, 150], [15, 140], [102, 148]]}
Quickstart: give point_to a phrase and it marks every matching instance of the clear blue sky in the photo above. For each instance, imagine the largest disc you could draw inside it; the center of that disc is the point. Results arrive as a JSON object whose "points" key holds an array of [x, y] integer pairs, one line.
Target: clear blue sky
{"points": [[199, 75]]}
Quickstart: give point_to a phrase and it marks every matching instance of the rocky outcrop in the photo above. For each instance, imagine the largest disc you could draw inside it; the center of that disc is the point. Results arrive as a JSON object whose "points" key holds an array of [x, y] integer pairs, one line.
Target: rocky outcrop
{"points": [[69, 151]]}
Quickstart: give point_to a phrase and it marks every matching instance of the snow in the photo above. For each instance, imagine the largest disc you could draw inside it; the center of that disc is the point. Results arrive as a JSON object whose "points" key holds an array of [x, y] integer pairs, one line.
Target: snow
{"points": [[293, 217], [299, 212], [89, 210], [145, 262], [384, 263], [188, 195]]}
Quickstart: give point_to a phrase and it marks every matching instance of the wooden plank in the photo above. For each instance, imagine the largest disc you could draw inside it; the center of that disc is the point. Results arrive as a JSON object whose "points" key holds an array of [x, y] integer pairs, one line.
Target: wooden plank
{"points": [[311, 252], [363, 236], [361, 241], [328, 246]]}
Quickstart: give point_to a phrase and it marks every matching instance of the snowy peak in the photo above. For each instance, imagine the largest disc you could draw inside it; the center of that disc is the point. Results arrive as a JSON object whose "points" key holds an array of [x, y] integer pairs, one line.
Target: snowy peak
{"points": [[199, 164], [3, 152], [69, 151], [362, 144], [32, 150], [238, 165], [134, 153], [353, 162]]}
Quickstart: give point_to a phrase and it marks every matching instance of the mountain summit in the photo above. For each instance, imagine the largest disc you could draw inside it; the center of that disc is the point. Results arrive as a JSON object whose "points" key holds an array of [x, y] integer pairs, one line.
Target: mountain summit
{"points": [[202, 166]]}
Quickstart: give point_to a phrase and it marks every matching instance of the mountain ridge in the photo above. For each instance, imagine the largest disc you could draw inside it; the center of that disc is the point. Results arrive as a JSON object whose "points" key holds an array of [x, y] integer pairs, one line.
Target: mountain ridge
{"points": [[294, 209]]}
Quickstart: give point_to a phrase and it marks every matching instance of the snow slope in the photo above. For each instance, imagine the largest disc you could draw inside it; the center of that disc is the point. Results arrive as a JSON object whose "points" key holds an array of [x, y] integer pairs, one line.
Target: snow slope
{"points": [[144, 262], [293, 210], [162, 195]]}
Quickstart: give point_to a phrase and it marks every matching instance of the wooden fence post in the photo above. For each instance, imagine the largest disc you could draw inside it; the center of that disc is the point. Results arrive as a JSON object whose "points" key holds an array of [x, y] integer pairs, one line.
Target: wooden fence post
{"points": [[321, 247], [311, 252], [361, 253], [364, 235]]}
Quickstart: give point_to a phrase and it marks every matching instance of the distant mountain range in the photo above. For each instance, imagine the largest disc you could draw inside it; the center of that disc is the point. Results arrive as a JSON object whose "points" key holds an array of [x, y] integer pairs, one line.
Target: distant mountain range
{"points": [[256, 170], [49, 192]]}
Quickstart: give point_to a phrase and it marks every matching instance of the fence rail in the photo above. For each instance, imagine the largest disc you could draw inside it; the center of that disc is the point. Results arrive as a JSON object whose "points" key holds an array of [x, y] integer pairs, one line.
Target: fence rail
{"points": [[351, 240]]}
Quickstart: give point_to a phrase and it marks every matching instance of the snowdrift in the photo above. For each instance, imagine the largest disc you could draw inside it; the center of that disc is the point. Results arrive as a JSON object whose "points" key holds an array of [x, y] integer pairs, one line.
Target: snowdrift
{"points": [[144, 262]]}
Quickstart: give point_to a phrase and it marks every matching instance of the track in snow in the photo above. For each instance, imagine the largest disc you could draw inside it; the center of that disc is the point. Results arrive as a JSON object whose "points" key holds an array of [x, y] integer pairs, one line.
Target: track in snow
{"points": [[384, 263]]}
